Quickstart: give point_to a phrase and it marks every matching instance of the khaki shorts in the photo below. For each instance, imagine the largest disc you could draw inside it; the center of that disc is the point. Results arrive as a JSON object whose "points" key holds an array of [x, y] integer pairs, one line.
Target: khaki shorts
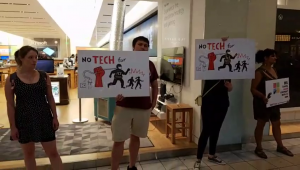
{"points": [[127, 121]]}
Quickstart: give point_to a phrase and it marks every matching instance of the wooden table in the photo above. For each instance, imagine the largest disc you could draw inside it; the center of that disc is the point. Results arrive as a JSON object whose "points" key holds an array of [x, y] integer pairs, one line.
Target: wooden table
{"points": [[4, 71], [68, 71]]}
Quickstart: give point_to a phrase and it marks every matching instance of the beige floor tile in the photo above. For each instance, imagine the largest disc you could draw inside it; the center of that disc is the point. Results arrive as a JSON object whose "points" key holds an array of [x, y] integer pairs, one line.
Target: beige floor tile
{"points": [[221, 167], [205, 168], [261, 165], [294, 160], [291, 168], [242, 166], [279, 162]]}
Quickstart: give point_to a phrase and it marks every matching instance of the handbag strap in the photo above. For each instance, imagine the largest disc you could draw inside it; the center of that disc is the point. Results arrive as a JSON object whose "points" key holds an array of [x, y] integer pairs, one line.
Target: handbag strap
{"points": [[210, 89]]}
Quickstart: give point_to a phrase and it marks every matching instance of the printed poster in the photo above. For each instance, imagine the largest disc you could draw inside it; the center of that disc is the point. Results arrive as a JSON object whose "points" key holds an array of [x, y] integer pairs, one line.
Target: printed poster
{"points": [[231, 59], [55, 91], [109, 73], [277, 92]]}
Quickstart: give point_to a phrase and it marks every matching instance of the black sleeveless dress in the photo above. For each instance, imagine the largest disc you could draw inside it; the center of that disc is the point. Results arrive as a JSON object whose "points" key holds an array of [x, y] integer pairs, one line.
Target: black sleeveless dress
{"points": [[33, 115], [261, 112]]}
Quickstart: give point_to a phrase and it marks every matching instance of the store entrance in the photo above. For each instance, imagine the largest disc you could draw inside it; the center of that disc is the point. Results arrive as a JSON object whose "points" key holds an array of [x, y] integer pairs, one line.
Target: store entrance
{"points": [[288, 65]]}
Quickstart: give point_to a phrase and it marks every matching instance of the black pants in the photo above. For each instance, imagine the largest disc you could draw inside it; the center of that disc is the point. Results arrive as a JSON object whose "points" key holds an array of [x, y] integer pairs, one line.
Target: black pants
{"points": [[212, 120]]}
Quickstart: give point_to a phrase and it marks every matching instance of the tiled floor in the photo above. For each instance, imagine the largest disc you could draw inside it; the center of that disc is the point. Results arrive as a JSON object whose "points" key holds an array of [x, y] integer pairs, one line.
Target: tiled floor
{"points": [[238, 160]]}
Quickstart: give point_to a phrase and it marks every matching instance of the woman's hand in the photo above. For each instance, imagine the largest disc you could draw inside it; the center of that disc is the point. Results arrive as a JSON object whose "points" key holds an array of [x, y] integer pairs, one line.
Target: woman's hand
{"points": [[55, 124], [120, 97], [265, 100], [228, 85], [14, 133], [224, 38]]}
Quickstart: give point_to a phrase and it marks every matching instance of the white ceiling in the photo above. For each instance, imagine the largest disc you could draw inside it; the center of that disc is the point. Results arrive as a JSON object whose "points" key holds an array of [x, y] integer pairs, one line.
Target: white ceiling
{"points": [[27, 18], [105, 18]]}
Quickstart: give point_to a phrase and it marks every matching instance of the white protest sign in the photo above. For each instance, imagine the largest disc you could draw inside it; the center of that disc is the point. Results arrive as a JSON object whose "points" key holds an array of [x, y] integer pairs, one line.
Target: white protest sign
{"points": [[277, 92], [231, 59], [109, 73]]}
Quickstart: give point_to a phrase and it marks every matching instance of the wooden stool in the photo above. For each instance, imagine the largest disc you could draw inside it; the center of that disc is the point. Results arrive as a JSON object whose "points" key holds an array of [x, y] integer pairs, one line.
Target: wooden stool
{"points": [[183, 109]]}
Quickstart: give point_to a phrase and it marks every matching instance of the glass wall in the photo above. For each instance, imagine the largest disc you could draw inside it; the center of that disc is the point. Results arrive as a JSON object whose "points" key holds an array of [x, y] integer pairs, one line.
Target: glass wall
{"points": [[287, 44]]}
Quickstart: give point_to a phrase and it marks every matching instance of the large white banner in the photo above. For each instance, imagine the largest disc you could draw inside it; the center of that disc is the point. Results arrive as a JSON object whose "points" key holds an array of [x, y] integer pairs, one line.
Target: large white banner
{"points": [[277, 92], [231, 59], [109, 73]]}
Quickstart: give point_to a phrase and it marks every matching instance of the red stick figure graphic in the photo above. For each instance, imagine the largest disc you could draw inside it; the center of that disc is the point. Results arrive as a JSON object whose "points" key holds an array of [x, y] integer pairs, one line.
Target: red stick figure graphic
{"points": [[211, 59], [99, 73]]}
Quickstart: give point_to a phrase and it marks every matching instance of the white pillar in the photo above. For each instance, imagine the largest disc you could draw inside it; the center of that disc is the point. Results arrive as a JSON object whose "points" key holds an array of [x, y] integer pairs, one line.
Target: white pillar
{"points": [[117, 25]]}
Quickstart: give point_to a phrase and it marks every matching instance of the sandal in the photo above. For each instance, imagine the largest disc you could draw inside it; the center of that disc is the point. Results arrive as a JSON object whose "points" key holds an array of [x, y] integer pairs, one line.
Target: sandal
{"points": [[216, 160], [260, 153], [284, 151], [197, 164]]}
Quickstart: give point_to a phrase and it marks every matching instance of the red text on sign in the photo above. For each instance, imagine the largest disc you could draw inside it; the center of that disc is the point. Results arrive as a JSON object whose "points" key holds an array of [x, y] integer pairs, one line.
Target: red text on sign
{"points": [[104, 59], [136, 71], [216, 46]]}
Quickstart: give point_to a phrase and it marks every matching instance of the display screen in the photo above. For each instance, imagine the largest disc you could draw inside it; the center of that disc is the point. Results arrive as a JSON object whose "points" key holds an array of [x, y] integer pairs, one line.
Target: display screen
{"points": [[4, 50], [48, 51], [4, 57], [172, 64], [55, 91], [45, 65]]}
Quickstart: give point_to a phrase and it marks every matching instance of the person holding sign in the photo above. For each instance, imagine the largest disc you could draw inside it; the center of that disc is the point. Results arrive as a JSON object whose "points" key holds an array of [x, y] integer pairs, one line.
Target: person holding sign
{"points": [[213, 111], [132, 115], [261, 113]]}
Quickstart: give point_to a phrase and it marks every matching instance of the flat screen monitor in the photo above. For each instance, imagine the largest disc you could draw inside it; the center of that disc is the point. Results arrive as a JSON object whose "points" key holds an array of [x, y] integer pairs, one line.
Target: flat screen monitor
{"points": [[48, 51], [46, 65], [172, 65]]}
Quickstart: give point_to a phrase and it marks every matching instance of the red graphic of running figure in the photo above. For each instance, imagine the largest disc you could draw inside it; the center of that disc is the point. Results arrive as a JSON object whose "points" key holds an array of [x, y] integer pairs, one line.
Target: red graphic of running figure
{"points": [[99, 73], [211, 59]]}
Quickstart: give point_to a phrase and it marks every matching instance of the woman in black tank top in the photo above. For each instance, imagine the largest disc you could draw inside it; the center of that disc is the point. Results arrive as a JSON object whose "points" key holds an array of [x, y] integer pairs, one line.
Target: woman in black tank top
{"points": [[261, 113]]}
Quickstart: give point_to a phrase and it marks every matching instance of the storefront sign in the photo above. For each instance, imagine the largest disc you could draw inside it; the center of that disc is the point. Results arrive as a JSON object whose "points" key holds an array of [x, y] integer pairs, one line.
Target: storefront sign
{"points": [[277, 92], [38, 43], [231, 59], [55, 91], [109, 73]]}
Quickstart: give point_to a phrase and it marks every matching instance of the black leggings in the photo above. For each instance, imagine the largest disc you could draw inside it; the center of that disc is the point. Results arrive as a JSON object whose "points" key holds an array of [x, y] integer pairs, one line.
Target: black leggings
{"points": [[212, 120]]}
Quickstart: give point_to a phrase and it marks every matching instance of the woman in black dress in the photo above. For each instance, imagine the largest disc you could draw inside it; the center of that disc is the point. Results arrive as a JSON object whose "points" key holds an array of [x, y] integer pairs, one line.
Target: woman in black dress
{"points": [[261, 113], [33, 116], [214, 108]]}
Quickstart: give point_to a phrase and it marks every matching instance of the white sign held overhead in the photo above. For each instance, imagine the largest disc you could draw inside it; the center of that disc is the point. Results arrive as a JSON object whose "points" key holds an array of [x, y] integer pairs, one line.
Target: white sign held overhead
{"points": [[277, 92], [109, 73], [231, 59]]}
